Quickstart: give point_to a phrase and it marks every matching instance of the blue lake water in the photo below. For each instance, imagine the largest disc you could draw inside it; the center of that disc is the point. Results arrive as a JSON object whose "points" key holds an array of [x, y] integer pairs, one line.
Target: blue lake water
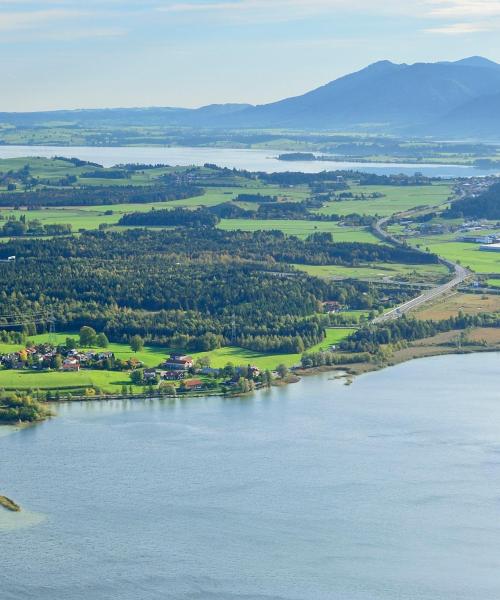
{"points": [[252, 160], [386, 489]]}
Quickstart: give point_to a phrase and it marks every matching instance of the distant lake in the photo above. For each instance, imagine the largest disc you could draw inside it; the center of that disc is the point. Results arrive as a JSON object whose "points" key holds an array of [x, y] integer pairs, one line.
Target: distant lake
{"points": [[252, 160], [387, 489]]}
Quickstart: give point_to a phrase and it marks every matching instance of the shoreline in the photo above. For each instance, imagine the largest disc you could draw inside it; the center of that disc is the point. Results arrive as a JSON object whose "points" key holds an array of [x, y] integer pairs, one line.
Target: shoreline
{"points": [[427, 348]]}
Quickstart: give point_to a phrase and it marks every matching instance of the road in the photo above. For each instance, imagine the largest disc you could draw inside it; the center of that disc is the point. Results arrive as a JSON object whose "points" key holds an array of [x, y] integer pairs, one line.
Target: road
{"points": [[461, 275]]}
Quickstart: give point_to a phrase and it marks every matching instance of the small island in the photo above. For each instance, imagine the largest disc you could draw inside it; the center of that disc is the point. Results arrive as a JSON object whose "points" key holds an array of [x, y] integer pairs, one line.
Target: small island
{"points": [[9, 504]]}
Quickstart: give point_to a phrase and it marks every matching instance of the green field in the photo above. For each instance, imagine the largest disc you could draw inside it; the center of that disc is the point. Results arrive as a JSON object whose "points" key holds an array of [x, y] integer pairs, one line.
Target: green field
{"points": [[397, 199], [376, 271], [302, 229], [238, 356], [111, 381], [468, 255]]}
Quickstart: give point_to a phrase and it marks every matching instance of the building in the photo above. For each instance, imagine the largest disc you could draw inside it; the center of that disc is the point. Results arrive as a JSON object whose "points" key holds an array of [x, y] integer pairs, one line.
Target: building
{"points": [[179, 362], [193, 384], [490, 247], [70, 364], [332, 306], [173, 375]]}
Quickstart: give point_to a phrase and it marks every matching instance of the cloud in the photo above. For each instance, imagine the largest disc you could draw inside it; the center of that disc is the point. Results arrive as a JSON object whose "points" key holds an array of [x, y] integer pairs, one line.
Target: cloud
{"points": [[461, 28], [27, 19], [464, 8], [288, 9]]}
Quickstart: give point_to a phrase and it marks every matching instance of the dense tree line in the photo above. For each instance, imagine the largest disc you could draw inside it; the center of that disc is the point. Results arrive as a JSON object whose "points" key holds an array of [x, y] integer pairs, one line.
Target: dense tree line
{"points": [[208, 243], [171, 218], [299, 178], [484, 206], [106, 174], [99, 195], [369, 339], [261, 198], [19, 227]]}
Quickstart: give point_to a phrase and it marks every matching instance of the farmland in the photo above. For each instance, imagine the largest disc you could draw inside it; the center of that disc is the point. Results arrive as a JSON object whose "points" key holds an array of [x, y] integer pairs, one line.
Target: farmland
{"points": [[466, 254], [302, 229], [452, 305], [377, 271], [395, 199]]}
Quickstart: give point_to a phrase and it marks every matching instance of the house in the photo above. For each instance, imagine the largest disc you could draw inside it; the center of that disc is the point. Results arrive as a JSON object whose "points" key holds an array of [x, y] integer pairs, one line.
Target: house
{"points": [[210, 371], [332, 306], [174, 375], [70, 364], [193, 384], [251, 370], [150, 374], [490, 247], [178, 362]]}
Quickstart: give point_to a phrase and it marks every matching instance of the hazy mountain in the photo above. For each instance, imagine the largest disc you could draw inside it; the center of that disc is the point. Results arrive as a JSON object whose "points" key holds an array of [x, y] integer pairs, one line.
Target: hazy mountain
{"points": [[479, 118], [205, 116], [383, 96], [452, 99]]}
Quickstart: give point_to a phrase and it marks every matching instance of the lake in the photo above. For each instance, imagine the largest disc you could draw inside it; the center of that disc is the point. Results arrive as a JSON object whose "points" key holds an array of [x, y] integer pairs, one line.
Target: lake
{"points": [[386, 489], [252, 160]]}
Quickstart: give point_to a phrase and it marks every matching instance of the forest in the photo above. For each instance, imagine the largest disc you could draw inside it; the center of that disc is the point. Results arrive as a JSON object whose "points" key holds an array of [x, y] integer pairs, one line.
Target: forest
{"points": [[483, 206], [98, 195], [369, 339], [199, 293]]}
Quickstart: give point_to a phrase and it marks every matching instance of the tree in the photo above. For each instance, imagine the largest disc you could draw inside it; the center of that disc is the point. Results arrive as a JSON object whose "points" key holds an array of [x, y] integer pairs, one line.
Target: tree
{"points": [[137, 377], [70, 343], [168, 389], [203, 362], [102, 341], [136, 343], [282, 371], [56, 362], [88, 336]]}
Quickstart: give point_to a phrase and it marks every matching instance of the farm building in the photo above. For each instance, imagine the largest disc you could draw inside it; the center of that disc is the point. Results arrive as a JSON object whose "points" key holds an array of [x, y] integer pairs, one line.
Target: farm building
{"points": [[490, 247]]}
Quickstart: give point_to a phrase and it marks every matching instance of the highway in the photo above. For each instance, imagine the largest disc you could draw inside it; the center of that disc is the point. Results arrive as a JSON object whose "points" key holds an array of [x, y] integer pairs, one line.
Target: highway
{"points": [[433, 293]]}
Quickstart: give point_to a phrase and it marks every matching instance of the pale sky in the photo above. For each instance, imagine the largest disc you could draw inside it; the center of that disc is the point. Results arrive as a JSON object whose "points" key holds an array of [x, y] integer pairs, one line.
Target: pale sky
{"points": [[107, 53]]}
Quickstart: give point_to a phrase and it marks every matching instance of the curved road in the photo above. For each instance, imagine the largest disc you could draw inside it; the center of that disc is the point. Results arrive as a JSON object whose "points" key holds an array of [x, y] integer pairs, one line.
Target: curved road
{"points": [[461, 275]]}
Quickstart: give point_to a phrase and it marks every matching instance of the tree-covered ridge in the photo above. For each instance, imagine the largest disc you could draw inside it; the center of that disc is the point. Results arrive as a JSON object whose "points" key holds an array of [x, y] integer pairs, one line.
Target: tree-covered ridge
{"points": [[99, 195], [198, 292], [171, 218], [483, 206]]}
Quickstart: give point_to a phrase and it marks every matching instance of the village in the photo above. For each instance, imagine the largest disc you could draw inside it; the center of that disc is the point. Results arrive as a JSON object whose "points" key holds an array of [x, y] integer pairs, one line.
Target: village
{"points": [[177, 373]]}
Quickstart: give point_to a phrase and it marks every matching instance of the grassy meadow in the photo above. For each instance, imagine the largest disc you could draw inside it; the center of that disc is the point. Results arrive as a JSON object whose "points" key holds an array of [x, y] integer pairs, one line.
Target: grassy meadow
{"points": [[377, 271], [112, 381], [396, 199], [302, 229]]}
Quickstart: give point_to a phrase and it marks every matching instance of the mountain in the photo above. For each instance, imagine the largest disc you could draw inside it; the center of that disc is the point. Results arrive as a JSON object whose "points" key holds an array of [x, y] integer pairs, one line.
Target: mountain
{"points": [[451, 99], [384, 97], [203, 117], [479, 118]]}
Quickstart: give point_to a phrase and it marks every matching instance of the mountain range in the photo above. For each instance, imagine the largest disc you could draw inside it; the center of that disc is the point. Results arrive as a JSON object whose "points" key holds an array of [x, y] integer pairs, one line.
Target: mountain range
{"points": [[444, 99]]}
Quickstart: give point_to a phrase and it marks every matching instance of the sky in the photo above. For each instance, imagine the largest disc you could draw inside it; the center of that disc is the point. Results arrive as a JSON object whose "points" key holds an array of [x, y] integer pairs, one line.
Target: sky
{"points": [[110, 53]]}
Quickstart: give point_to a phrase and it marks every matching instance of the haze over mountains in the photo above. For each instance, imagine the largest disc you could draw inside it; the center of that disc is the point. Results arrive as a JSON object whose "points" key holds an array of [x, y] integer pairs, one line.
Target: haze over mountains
{"points": [[445, 99]]}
